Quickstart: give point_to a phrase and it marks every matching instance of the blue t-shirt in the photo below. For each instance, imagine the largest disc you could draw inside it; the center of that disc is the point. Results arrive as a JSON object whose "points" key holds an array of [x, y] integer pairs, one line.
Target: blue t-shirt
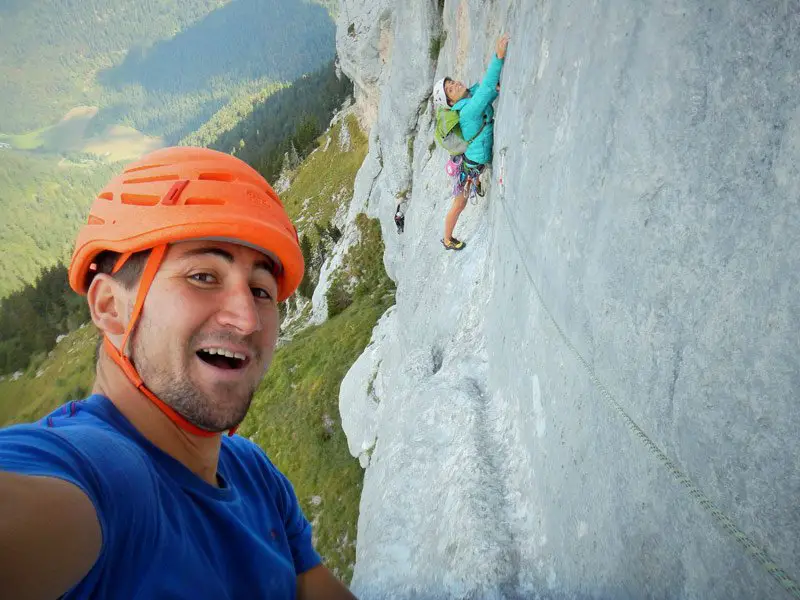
{"points": [[166, 532]]}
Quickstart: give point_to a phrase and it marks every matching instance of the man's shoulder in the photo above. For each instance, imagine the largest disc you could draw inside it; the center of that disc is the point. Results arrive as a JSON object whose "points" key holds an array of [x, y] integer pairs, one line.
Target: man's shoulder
{"points": [[75, 437]]}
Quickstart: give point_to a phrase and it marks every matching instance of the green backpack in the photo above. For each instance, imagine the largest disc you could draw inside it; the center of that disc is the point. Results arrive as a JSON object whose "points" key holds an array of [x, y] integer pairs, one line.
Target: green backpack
{"points": [[448, 131]]}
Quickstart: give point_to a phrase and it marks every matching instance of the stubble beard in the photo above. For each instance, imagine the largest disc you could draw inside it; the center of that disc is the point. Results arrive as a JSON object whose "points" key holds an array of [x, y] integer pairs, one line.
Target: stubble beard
{"points": [[174, 386]]}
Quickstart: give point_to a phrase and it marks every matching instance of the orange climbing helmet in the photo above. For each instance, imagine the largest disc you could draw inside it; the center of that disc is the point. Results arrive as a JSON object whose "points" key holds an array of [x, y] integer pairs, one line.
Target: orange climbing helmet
{"points": [[179, 194], [183, 193]]}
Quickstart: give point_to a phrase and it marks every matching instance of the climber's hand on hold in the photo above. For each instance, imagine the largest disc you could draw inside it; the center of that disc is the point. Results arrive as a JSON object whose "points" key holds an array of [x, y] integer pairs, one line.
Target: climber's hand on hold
{"points": [[502, 45]]}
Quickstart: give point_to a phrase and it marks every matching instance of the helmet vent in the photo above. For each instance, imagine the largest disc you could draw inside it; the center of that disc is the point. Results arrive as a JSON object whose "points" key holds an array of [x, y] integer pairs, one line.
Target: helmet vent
{"points": [[106, 196], [143, 168], [140, 199], [152, 178], [205, 201], [95, 220], [215, 177]]}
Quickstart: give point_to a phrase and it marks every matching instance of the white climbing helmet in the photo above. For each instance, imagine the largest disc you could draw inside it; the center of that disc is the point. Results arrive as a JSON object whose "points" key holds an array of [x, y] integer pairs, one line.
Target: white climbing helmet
{"points": [[439, 97]]}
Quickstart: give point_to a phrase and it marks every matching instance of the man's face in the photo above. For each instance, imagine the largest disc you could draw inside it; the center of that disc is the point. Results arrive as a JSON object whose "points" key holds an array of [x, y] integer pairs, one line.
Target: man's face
{"points": [[209, 300]]}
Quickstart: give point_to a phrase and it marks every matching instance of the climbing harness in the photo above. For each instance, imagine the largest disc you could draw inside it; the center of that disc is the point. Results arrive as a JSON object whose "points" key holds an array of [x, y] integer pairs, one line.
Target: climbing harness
{"points": [[464, 172], [723, 521]]}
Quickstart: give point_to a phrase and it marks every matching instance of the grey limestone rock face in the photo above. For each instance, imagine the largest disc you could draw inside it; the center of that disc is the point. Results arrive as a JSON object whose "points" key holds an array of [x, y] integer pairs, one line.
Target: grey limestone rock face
{"points": [[645, 193]]}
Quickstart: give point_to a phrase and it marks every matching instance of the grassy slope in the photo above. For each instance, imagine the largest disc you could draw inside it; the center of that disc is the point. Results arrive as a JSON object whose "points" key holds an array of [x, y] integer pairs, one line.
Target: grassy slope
{"points": [[295, 415], [326, 178]]}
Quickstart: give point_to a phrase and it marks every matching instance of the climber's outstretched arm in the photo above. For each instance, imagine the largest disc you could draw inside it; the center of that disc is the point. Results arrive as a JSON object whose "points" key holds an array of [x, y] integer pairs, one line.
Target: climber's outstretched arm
{"points": [[488, 89]]}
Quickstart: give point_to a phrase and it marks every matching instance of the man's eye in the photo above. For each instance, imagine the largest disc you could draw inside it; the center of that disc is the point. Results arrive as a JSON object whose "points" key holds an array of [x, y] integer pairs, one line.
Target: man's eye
{"points": [[261, 293], [203, 277]]}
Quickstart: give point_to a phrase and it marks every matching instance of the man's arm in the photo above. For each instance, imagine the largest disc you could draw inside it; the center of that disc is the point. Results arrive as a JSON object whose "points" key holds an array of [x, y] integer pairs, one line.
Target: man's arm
{"points": [[49, 536], [320, 584]]}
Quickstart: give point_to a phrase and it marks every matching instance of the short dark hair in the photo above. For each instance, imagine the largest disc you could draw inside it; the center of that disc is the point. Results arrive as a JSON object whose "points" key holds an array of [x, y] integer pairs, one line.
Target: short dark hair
{"points": [[131, 271]]}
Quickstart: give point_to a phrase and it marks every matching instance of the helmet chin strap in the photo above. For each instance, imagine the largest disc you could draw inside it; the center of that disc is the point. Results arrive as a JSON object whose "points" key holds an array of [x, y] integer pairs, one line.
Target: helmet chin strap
{"points": [[121, 359]]}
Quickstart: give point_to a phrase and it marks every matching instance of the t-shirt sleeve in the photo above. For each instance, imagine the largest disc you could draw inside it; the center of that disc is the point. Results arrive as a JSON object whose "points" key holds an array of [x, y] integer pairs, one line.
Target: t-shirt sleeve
{"points": [[112, 485], [298, 529]]}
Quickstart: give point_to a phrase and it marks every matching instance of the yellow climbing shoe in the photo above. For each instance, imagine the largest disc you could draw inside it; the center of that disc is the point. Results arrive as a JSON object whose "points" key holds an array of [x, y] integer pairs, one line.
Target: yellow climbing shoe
{"points": [[453, 244]]}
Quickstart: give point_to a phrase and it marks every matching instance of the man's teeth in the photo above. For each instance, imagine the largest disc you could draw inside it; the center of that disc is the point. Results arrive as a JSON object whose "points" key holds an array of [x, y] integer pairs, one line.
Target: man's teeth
{"points": [[227, 353]]}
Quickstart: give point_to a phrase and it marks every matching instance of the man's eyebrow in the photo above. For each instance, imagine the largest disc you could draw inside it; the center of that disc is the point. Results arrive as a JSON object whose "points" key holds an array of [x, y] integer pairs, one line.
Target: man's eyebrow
{"points": [[266, 263]]}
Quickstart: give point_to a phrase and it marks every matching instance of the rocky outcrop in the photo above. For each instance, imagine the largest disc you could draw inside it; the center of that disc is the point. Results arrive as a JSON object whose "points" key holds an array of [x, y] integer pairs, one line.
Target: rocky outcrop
{"points": [[628, 294]]}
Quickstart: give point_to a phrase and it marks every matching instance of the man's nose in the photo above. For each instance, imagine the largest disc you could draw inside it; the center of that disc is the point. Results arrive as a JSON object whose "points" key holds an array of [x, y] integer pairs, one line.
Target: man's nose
{"points": [[239, 309]]}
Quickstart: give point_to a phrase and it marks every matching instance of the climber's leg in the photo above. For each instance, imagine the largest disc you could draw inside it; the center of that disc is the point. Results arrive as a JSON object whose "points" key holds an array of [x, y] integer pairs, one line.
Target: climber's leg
{"points": [[459, 203]]}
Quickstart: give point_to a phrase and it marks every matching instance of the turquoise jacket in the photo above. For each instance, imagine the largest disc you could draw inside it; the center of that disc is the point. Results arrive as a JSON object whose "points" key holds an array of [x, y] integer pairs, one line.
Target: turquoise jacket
{"points": [[476, 108]]}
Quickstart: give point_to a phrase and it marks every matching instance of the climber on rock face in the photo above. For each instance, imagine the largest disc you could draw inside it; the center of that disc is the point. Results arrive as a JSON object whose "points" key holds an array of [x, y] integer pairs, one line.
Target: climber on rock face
{"points": [[476, 122]]}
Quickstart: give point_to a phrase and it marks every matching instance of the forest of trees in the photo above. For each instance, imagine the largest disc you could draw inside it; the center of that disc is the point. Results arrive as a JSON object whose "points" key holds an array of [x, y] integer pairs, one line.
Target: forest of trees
{"points": [[42, 204], [229, 116], [51, 50], [245, 40], [170, 88], [32, 318], [160, 66], [292, 117]]}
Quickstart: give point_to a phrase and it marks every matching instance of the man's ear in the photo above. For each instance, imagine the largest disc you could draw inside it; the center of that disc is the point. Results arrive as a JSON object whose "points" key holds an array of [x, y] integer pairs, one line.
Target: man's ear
{"points": [[108, 302]]}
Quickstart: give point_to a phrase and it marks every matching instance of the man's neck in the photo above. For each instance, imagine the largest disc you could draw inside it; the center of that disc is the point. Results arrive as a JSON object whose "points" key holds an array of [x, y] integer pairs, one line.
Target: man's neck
{"points": [[198, 454]]}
